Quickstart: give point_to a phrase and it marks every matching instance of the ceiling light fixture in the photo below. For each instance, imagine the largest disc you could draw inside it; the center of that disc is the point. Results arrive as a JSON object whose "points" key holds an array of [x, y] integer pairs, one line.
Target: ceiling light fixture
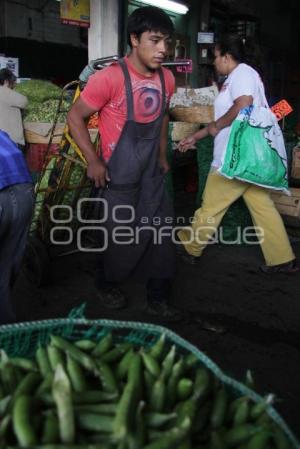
{"points": [[170, 5]]}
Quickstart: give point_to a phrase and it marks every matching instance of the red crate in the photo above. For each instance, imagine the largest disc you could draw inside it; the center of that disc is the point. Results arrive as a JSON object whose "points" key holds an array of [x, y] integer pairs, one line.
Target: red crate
{"points": [[36, 154]]}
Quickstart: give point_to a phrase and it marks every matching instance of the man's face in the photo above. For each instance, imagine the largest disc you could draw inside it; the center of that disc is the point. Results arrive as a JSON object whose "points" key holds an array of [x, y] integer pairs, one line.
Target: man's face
{"points": [[151, 48]]}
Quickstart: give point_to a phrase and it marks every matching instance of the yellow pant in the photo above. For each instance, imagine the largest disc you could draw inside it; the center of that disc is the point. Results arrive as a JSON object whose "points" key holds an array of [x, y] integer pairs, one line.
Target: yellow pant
{"points": [[218, 195]]}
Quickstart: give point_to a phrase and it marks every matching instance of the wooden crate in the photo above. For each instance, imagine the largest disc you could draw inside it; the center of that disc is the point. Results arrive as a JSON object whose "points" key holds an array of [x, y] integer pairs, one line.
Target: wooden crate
{"points": [[36, 155], [295, 173], [40, 132], [288, 206]]}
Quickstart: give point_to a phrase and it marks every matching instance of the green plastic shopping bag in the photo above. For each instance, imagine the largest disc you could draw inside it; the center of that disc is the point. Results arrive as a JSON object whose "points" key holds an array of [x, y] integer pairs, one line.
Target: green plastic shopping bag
{"points": [[255, 151]]}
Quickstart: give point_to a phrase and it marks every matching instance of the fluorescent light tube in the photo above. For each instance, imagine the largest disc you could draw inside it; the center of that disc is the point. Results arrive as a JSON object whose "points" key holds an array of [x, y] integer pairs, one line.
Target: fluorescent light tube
{"points": [[170, 5]]}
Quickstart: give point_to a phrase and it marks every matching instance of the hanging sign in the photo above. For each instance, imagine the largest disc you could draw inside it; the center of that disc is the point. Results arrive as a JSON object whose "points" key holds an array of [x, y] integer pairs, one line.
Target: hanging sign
{"points": [[75, 12], [281, 109], [205, 38], [186, 67], [10, 63]]}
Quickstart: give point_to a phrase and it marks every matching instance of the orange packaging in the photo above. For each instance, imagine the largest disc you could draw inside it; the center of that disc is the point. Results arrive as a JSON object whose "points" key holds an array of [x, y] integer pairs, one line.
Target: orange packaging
{"points": [[281, 109], [93, 121]]}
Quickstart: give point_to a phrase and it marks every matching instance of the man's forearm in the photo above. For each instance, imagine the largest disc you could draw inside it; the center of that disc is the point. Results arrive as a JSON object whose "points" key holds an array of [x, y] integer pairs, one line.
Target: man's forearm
{"points": [[81, 136], [163, 148], [17, 100], [163, 144]]}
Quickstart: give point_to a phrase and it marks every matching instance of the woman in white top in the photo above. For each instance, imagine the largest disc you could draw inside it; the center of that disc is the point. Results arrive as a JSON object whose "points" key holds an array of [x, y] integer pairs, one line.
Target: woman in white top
{"points": [[11, 104], [241, 88]]}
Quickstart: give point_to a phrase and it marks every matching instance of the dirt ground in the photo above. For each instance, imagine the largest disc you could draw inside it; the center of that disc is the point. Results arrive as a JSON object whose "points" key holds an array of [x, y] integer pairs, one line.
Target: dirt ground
{"points": [[261, 313]]}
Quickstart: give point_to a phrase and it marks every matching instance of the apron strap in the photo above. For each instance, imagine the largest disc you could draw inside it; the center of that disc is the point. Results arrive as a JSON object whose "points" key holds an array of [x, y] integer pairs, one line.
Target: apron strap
{"points": [[163, 91], [122, 187], [129, 95]]}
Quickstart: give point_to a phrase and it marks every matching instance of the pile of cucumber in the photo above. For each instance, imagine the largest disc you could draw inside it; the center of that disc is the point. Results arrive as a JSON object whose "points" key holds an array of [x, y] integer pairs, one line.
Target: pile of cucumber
{"points": [[103, 395]]}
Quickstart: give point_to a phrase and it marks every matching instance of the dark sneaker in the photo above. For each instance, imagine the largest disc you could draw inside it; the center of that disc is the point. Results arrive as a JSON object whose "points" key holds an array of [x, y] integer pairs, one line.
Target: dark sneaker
{"points": [[112, 298], [185, 256], [285, 268], [164, 311]]}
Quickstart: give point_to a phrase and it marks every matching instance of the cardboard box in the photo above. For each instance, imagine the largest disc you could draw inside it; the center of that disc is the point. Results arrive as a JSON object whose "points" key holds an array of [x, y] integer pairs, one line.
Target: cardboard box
{"points": [[288, 206], [193, 114], [180, 130], [39, 132]]}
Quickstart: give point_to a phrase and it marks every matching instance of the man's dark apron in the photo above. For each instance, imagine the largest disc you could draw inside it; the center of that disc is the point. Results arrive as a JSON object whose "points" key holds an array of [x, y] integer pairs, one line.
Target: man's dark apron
{"points": [[136, 197]]}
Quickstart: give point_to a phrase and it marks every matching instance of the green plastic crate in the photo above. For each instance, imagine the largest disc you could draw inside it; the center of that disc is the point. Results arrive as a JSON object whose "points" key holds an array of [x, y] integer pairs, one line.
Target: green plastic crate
{"points": [[22, 339]]}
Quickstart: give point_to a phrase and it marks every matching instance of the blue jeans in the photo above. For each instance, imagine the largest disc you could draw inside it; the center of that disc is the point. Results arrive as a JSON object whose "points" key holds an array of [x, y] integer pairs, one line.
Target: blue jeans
{"points": [[16, 206]]}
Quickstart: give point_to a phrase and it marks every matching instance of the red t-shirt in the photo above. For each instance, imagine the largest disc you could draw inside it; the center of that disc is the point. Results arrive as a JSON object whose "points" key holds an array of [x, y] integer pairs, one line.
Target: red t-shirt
{"points": [[105, 92]]}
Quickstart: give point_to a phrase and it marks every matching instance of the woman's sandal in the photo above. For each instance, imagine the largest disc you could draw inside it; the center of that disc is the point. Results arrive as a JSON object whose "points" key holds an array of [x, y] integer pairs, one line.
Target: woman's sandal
{"points": [[286, 268]]}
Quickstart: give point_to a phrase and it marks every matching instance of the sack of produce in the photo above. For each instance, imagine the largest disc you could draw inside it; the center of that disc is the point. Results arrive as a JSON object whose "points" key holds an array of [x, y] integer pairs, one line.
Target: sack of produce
{"points": [[255, 151], [193, 105], [77, 383]]}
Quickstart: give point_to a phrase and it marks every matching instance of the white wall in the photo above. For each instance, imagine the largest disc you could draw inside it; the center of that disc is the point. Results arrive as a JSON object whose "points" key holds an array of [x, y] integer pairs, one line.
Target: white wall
{"points": [[103, 31]]}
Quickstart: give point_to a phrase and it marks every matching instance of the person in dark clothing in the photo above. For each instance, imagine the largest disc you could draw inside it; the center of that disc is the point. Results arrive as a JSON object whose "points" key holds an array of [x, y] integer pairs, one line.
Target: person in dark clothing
{"points": [[131, 97], [16, 205]]}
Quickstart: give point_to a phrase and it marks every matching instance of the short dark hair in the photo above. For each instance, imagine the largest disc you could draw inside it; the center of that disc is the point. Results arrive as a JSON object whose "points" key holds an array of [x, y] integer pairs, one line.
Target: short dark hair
{"points": [[7, 75], [148, 18]]}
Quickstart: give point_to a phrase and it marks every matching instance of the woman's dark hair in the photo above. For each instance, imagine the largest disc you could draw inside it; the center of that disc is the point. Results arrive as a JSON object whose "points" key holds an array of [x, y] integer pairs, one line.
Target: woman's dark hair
{"points": [[6, 75], [148, 18], [241, 50]]}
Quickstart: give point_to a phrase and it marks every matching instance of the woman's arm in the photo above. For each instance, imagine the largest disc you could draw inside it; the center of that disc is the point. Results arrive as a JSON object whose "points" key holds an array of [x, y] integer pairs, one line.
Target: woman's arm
{"points": [[189, 142], [214, 127], [226, 119], [15, 99]]}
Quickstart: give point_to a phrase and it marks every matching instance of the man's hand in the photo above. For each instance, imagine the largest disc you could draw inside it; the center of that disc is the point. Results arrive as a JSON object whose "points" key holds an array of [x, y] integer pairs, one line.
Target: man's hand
{"points": [[164, 164], [97, 171]]}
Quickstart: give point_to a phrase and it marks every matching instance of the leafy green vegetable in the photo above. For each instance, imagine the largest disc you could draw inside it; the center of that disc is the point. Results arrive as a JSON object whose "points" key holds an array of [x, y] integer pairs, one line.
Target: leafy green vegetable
{"points": [[46, 111], [38, 91]]}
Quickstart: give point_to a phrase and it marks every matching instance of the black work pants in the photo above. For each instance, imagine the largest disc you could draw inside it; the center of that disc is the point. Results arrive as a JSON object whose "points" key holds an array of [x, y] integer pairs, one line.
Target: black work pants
{"points": [[158, 290]]}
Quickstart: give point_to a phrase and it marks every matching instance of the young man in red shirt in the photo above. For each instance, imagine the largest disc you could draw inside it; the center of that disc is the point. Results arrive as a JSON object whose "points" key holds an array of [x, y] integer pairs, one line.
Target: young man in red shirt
{"points": [[132, 97]]}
